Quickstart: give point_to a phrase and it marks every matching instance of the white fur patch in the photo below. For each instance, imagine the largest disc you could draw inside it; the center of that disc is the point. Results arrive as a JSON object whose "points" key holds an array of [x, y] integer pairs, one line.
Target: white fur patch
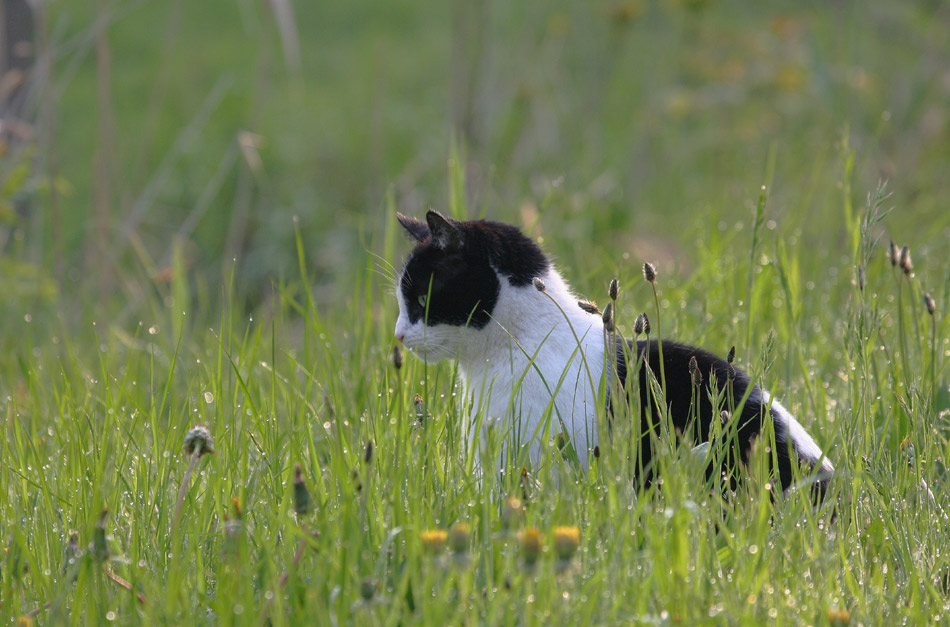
{"points": [[789, 428], [533, 371]]}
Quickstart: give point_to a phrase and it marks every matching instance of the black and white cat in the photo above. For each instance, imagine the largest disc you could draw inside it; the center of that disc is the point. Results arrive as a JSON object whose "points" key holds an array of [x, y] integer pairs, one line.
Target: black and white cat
{"points": [[529, 354]]}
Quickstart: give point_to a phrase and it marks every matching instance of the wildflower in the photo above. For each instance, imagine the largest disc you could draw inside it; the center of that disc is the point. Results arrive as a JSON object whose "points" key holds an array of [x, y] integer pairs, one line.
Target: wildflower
{"points": [[538, 284], [566, 541], [198, 441], [588, 306], [459, 537], [625, 12], [511, 511], [303, 502], [397, 357], [233, 524], [906, 264], [613, 289], [531, 545], [838, 617], [930, 304], [433, 540], [694, 372], [642, 325], [608, 317], [649, 272]]}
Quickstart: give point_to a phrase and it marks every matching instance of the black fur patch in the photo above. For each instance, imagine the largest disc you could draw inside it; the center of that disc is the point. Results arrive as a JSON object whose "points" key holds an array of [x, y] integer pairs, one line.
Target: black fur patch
{"points": [[464, 274], [746, 425]]}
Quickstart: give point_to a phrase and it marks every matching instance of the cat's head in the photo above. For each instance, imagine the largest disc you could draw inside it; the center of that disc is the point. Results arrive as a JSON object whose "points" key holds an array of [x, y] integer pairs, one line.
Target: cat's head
{"points": [[452, 280]]}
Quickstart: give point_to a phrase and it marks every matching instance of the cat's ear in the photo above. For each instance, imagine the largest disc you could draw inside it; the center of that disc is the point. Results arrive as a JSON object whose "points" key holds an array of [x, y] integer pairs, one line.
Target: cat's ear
{"points": [[417, 229], [445, 235]]}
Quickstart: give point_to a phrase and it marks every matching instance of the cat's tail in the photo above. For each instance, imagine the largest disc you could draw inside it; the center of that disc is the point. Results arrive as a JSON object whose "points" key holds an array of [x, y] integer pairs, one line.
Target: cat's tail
{"points": [[791, 435]]}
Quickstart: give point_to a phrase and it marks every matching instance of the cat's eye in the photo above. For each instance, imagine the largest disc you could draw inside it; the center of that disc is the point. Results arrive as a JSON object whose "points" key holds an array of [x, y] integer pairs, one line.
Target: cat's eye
{"points": [[422, 300]]}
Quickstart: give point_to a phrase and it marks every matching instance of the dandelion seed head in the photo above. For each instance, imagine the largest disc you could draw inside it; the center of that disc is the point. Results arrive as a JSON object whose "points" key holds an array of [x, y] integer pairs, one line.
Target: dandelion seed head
{"points": [[198, 441]]}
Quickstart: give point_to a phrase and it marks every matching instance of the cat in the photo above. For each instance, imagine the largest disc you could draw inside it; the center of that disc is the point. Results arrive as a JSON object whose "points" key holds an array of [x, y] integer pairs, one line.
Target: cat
{"points": [[483, 293]]}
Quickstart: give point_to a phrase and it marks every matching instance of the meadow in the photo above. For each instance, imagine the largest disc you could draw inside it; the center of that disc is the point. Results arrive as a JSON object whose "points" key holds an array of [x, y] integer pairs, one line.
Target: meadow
{"points": [[205, 420]]}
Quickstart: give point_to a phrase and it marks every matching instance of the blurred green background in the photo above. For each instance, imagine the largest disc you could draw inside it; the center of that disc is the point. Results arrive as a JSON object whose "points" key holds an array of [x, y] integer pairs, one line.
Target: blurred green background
{"points": [[604, 127]]}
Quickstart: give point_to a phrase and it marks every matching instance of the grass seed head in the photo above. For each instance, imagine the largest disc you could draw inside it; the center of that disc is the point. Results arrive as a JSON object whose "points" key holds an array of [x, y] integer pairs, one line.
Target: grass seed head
{"points": [[566, 541], [397, 357], [433, 540], [861, 278], [303, 502], [532, 543], [608, 317], [538, 284], [907, 265], [731, 357], [694, 372], [642, 325], [649, 272], [929, 303], [614, 289], [894, 254], [198, 441], [588, 306], [368, 453]]}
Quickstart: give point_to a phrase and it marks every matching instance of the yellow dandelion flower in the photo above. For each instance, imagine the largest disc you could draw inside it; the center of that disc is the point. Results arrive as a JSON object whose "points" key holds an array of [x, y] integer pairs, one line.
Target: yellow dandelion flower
{"points": [[532, 544], [566, 541], [839, 617], [459, 536], [433, 540]]}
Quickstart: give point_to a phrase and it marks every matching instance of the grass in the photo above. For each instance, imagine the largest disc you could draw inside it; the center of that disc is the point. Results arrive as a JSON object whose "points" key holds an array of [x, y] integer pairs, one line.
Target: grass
{"points": [[96, 423], [285, 355]]}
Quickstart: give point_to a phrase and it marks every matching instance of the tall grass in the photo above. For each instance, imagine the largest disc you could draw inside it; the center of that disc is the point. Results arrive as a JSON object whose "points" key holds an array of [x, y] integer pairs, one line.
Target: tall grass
{"points": [[286, 354], [96, 423]]}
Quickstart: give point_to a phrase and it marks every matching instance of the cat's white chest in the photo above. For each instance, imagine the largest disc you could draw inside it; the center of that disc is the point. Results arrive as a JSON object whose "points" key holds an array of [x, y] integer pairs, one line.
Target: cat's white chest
{"points": [[537, 370]]}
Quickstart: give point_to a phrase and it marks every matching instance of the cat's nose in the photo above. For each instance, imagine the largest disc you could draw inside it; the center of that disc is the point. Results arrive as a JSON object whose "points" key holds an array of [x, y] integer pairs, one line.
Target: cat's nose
{"points": [[400, 337]]}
